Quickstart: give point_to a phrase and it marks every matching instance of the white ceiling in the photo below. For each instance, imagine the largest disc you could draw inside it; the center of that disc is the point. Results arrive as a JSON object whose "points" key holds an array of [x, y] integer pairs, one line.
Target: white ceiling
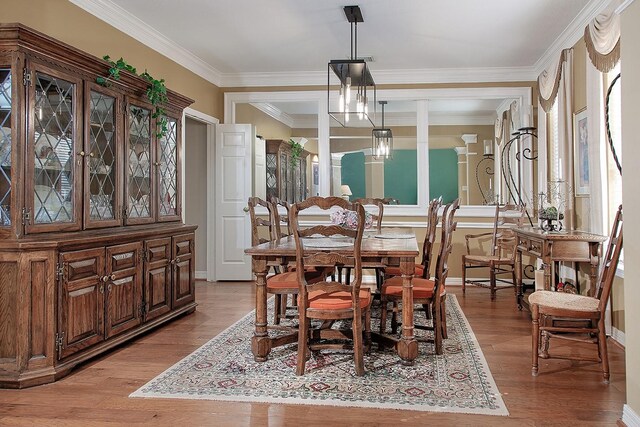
{"points": [[258, 42]]}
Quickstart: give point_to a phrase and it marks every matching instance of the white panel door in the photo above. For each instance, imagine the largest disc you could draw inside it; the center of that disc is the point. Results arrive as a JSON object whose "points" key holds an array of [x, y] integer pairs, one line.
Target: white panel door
{"points": [[234, 145], [260, 169]]}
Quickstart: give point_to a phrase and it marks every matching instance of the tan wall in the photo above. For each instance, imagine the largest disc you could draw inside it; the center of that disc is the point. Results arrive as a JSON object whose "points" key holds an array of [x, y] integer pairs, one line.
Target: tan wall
{"points": [[266, 126], [195, 187], [631, 149], [580, 102], [68, 23]]}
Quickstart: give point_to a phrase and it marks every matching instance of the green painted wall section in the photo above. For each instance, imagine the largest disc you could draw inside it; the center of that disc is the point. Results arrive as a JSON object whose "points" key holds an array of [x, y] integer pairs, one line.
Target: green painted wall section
{"points": [[400, 177], [443, 174], [353, 174]]}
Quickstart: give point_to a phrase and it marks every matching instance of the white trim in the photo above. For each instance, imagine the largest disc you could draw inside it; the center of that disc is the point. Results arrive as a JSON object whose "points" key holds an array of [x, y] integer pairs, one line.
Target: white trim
{"points": [[618, 336], [630, 417], [201, 275], [203, 117], [570, 35], [427, 75], [620, 269], [276, 113], [625, 4], [126, 22]]}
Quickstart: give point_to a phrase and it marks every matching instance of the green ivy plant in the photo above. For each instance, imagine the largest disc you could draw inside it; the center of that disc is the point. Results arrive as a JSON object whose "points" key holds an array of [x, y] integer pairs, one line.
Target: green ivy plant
{"points": [[156, 91], [296, 151]]}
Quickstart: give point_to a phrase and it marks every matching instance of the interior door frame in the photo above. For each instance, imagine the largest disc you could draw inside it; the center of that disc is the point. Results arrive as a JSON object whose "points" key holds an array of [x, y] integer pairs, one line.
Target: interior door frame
{"points": [[211, 122]]}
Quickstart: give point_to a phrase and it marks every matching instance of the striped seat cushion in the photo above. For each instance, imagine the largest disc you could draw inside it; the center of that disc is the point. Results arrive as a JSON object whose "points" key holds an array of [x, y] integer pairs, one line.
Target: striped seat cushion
{"points": [[422, 288], [289, 280], [337, 300], [395, 271]]}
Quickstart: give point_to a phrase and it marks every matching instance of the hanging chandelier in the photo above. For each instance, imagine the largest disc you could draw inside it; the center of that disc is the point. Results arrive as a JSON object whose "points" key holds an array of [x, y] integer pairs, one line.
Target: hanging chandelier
{"points": [[357, 88], [382, 140]]}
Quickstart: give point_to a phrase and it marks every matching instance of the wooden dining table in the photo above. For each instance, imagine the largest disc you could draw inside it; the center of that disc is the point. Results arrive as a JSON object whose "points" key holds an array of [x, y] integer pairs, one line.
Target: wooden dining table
{"points": [[377, 252]]}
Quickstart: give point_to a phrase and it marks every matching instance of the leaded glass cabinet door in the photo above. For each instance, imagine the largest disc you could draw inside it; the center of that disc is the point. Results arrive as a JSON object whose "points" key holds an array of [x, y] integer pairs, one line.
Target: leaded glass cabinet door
{"points": [[6, 138], [55, 155], [168, 172], [139, 158], [102, 172]]}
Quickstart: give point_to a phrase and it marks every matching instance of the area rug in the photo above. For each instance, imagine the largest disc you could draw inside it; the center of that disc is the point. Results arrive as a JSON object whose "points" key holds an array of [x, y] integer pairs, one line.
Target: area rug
{"points": [[457, 381]]}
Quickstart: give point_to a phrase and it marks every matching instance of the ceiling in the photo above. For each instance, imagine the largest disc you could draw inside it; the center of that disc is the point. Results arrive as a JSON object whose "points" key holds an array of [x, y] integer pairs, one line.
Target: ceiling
{"points": [[258, 42]]}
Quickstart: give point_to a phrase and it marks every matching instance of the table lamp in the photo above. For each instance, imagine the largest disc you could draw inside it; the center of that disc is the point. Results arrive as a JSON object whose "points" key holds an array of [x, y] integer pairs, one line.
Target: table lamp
{"points": [[346, 191]]}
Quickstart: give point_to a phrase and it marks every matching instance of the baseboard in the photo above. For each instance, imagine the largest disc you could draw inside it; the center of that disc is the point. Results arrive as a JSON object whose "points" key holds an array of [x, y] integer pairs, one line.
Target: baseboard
{"points": [[618, 336], [201, 275], [630, 417], [451, 281]]}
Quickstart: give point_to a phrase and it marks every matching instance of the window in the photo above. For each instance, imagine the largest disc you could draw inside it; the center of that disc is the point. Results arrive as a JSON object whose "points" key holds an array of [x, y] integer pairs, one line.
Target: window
{"points": [[613, 194]]}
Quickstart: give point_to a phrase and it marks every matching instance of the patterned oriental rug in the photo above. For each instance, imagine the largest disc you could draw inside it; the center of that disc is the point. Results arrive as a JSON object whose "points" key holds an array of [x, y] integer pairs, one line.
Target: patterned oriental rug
{"points": [[223, 369]]}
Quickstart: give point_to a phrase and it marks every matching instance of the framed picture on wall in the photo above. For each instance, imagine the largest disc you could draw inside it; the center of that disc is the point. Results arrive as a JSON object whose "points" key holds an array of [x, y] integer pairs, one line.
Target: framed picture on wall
{"points": [[580, 153]]}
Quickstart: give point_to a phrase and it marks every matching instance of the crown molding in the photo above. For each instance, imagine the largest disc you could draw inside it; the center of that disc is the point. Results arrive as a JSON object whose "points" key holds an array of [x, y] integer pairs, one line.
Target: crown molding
{"points": [[570, 35], [276, 113], [124, 21], [625, 4]]}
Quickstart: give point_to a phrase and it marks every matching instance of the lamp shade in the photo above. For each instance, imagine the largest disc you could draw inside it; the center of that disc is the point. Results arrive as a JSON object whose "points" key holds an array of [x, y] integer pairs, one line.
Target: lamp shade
{"points": [[382, 140], [346, 191]]}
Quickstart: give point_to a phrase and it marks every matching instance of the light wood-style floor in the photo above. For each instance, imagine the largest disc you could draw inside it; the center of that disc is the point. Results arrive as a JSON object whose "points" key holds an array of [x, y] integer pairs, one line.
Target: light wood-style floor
{"points": [[564, 393]]}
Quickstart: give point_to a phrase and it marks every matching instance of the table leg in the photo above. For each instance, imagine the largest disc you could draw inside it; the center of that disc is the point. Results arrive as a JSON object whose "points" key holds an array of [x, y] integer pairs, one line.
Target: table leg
{"points": [[594, 258], [260, 343], [407, 346], [520, 291], [547, 274]]}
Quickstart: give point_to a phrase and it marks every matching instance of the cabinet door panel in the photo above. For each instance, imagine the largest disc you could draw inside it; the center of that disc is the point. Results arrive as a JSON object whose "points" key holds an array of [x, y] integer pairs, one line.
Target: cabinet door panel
{"points": [[124, 288], [157, 277], [103, 154], [168, 173], [81, 300], [184, 270], [139, 158], [54, 151]]}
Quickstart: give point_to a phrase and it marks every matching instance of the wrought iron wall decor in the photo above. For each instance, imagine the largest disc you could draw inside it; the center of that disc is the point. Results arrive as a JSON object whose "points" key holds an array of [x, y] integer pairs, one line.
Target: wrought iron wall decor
{"points": [[514, 183], [606, 119], [489, 198]]}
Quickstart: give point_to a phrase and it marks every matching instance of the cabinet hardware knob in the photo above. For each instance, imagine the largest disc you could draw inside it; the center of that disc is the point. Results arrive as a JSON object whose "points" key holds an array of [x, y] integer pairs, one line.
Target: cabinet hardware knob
{"points": [[113, 277], [177, 260], [109, 287], [105, 278], [157, 163], [91, 154], [81, 153], [101, 289]]}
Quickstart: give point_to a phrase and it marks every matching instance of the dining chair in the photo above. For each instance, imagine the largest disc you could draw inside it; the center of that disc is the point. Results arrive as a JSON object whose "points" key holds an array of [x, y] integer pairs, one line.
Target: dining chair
{"points": [[562, 315], [502, 255], [430, 293], [423, 269], [330, 300], [281, 283], [376, 216]]}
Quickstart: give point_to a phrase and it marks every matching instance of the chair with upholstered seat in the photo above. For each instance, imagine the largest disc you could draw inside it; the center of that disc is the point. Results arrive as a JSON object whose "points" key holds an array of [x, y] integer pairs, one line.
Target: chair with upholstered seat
{"points": [[423, 269], [330, 300], [429, 293], [562, 315], [281, 284], [502, 256]]}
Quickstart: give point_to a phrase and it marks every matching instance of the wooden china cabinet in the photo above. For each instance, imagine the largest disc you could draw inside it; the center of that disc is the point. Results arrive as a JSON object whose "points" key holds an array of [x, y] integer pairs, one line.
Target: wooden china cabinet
{"points": [[286, 179], [92, 247]]}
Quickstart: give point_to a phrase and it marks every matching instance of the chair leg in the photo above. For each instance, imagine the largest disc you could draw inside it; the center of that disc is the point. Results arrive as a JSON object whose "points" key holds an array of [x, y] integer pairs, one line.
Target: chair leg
{"points": [[358, 349], [513, 277], [437, 327], [276, 310], [492, 280], [464, 276], [443, 316], [394, 317], [303, 331], [535, 339], [602, 347], [367, 329], [383, 314]]}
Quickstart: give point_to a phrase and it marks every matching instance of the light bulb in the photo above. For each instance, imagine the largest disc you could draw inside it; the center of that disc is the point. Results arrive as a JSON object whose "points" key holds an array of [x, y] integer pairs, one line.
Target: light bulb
{"points": [[366, 106], [346, 111], [341, 101], [348, 90]]}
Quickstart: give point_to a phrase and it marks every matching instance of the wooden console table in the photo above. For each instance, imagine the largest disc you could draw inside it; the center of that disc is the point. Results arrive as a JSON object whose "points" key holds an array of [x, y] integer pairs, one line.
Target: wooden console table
{"points": [[550, 247]]}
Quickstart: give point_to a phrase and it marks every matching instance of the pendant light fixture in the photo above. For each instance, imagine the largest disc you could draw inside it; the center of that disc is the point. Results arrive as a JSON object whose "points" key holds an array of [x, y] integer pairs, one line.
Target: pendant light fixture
{"points": [[357, 88], [382, 140]]}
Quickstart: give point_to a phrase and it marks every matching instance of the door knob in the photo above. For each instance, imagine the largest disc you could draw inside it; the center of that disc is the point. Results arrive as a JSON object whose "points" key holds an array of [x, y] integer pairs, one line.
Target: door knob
{"points": [[246, 209]]}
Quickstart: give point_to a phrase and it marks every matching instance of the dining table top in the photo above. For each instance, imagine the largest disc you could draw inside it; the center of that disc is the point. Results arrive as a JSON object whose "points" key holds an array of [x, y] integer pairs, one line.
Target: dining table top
{"points": [[388, 242]]}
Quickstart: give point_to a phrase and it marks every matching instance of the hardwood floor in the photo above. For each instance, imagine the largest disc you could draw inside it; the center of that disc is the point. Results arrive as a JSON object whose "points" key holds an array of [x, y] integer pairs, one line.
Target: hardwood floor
{"points": [[564, 393]]}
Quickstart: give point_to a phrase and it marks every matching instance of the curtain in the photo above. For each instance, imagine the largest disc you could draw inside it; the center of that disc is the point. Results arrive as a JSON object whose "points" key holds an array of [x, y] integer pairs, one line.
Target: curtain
{"points": [[565, 131], [602, 37], [549, 81]]}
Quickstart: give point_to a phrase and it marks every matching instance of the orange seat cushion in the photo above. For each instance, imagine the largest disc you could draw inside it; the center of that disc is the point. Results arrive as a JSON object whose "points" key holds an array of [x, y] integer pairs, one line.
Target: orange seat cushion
{"points": [[395, 271], [337, 300], [422, 288], [289, 280]]}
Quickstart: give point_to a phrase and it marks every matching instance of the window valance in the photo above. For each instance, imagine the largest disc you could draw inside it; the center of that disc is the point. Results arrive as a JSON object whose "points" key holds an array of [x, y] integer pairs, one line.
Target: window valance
{"points": [[602, 37], [549, 81]]}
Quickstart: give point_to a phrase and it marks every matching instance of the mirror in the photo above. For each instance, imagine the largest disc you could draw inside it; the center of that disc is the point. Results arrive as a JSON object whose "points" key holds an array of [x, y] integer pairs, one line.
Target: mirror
{"points": [[452, 130]]}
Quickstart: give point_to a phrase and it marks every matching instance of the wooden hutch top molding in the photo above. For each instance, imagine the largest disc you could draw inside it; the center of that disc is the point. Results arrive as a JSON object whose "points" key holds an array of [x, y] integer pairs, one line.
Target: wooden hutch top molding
{"points": [[14, 37]]}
